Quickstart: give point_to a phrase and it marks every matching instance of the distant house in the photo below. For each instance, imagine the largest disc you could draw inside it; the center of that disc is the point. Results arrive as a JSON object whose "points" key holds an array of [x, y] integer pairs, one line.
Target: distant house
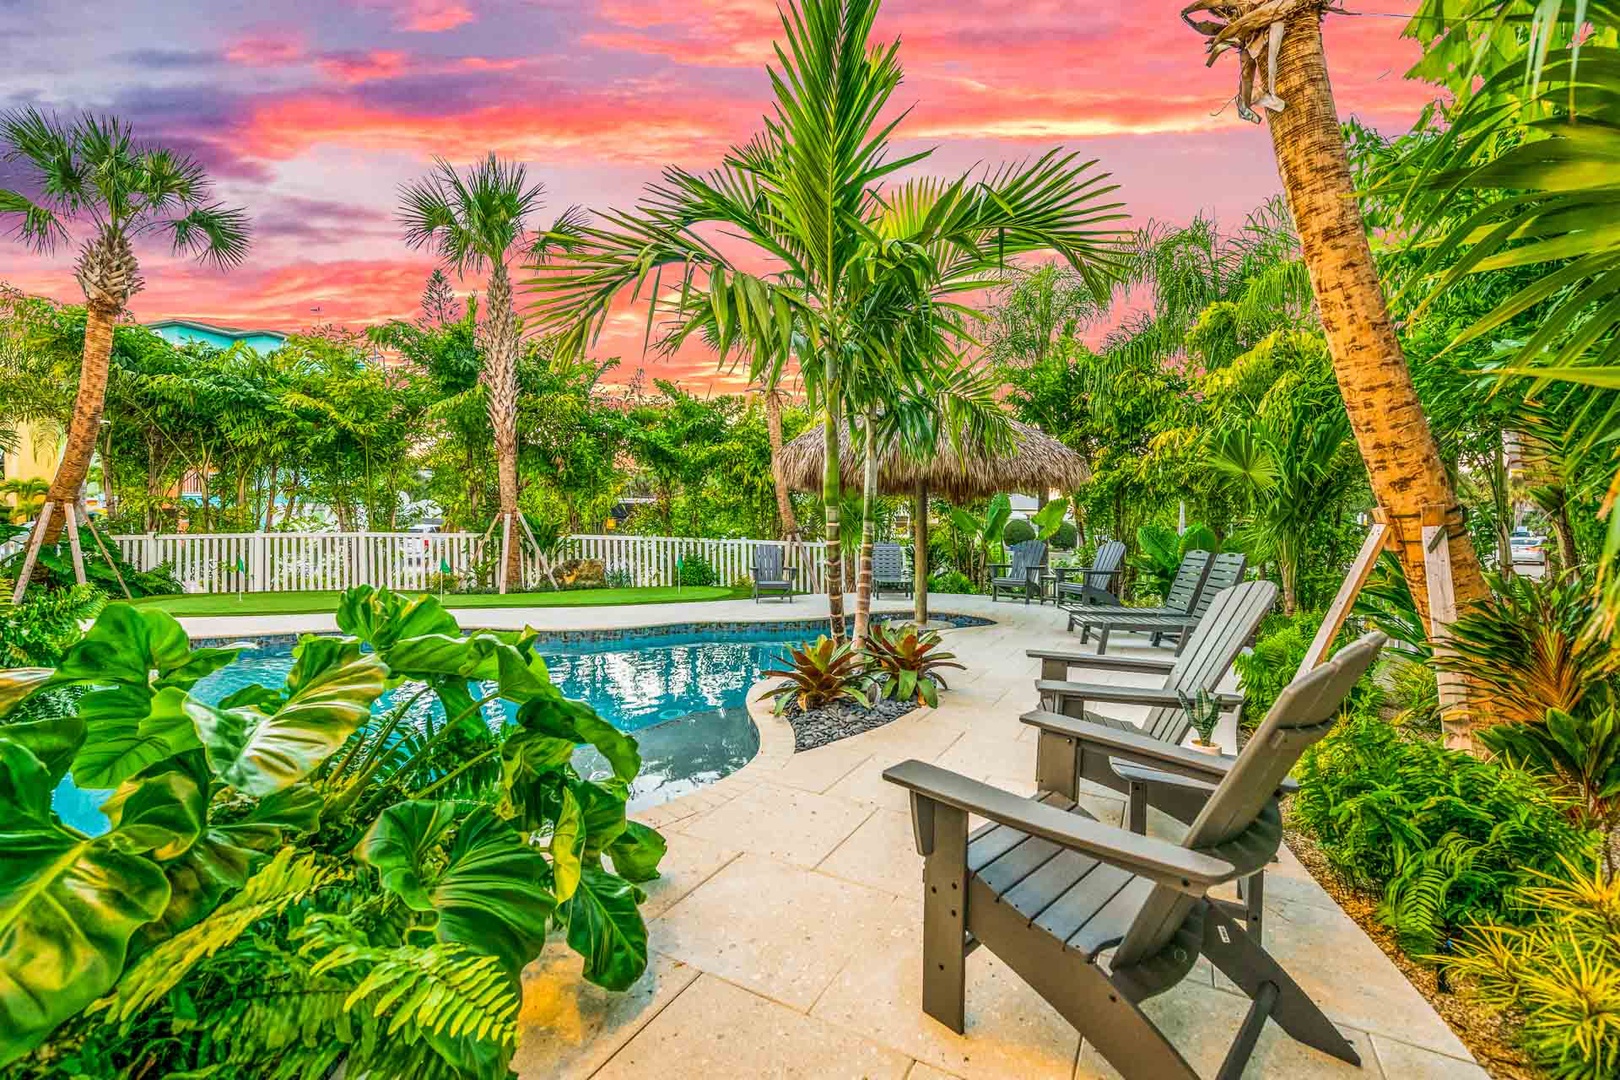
{"points": [[187, 331]]}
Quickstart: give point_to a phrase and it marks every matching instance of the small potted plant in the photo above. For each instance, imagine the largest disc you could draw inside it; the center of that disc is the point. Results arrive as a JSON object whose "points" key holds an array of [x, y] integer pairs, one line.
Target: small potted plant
{"points": [[1203, 713]]}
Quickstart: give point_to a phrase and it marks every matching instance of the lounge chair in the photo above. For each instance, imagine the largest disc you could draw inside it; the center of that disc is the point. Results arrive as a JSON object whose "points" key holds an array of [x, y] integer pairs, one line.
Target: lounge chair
{"points": [[1048, 888], [889, 570], [770, 576], [1023, 574], [1097, 583], [1173, 619], [1233, 617]]}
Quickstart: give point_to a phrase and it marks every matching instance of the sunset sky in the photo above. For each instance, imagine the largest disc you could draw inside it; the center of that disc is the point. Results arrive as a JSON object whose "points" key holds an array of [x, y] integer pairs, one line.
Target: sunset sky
{"points": [[311, 113]]}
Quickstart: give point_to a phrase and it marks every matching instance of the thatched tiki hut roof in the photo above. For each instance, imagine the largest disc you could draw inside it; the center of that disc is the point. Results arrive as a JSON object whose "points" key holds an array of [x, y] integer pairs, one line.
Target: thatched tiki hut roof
{"points": [[1037, 463]]}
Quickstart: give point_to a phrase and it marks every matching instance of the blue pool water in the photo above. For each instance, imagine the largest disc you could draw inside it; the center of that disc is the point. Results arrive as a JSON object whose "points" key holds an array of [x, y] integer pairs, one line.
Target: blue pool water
{"points": [[682, 693]]}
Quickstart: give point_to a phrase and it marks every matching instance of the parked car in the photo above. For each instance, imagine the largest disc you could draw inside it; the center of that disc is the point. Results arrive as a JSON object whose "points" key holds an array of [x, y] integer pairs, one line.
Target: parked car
{"points": [[1527, 547]]}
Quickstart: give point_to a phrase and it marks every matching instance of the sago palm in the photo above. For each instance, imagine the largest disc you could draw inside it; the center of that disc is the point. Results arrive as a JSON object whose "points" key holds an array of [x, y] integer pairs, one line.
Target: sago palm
{"points": [[474, 222], [783, 241], [91, 175]]}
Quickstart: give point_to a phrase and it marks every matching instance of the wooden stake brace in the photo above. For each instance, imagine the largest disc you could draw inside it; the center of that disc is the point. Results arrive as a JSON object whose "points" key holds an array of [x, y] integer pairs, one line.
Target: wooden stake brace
{"points": [[1378, 537]]}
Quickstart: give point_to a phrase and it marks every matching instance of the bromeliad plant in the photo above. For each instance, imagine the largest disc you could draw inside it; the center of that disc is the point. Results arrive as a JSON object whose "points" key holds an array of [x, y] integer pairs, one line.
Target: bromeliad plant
{"points": [[906, 663], [291, 881], [821, 674]]}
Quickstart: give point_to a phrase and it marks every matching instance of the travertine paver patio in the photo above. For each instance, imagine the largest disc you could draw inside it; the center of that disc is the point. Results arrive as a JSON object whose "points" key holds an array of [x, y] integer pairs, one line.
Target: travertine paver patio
{"points": [[786, 927]]}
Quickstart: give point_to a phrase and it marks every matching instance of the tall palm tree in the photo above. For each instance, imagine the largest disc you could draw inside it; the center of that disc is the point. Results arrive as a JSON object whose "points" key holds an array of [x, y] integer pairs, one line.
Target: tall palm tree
{"points": [[801, 200], [1404, 465], [479, 221], [92, 174]]}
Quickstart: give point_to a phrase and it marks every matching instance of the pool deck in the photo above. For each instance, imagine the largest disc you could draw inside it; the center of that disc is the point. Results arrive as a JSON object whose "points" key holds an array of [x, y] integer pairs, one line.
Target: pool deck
{"points": [[786, 926]]}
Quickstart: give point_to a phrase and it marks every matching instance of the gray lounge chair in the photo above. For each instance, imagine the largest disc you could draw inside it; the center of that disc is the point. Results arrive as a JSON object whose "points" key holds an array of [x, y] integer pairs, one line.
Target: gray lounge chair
{"points": [[1172, 621], [1231, 620], [1095, 584], [771, 578], [1023, 573], [1047, 888], [889, 570]]}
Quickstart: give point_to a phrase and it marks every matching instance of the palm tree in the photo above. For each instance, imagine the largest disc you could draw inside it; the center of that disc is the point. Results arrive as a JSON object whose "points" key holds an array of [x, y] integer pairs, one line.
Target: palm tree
{"points": [[802, 199], [29, 495], [93, 174], [1404, 465], [475, 222]]}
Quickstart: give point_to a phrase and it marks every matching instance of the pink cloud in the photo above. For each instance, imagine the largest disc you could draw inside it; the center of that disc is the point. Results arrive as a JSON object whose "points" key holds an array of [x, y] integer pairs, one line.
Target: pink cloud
{"points": [[265, 50], [425, 16], [354, 68]]}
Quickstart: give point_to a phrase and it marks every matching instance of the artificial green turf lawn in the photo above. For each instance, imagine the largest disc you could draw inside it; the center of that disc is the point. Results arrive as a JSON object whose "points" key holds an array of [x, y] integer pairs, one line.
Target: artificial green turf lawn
{"points": [[306, 603]]}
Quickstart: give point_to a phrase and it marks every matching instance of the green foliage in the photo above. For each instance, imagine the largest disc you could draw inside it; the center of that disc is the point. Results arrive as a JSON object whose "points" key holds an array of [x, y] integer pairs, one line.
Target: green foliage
{"points": [[1160, 551], [36, 632], [820, 674], [695, 569], [907, 663], [1065, 536], [1555, 965], [1279, 649], [1017, 531], [1203, 713], [288, 880], [1444, 836], [1415, 693], [951, 581], [1581, 753]]}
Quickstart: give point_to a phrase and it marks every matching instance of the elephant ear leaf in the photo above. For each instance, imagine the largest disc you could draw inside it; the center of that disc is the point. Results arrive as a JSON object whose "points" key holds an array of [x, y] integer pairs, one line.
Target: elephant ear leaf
{"points": [[128, 729], [68, 906], [380, 617], [567, 845], [329, 694], [491, 894], [554, 715], [605, 927], [126, 645]]}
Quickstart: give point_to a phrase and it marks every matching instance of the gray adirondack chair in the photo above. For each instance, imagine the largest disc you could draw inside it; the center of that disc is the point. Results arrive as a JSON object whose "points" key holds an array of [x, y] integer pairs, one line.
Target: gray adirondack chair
{"points": [[1023, 574], [1225, 570], [889, 570], [1233, 616], [1094, 584], [1048, 888], [771, 578]]}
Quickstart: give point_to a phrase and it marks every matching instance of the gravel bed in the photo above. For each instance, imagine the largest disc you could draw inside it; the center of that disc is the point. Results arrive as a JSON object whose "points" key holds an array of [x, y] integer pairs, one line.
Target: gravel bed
{"points": [[839, 721]]}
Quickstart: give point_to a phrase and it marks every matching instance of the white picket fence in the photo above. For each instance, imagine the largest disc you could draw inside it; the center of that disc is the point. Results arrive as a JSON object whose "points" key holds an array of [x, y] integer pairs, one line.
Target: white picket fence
{"points": [[293, 562]]}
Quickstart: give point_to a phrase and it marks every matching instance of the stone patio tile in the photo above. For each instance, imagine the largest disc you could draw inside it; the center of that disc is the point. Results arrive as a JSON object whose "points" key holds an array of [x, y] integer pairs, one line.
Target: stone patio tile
{"points": [[978, 756], [819, 769], [1415, 1063], [779, 930], [918, 734], [688, 863], [568, 1027], [865, 784], [1350, 977], [716, 1030], [921, 1070], [881, 854], [1011, 1032], [784, 823], [1202, 1022]]}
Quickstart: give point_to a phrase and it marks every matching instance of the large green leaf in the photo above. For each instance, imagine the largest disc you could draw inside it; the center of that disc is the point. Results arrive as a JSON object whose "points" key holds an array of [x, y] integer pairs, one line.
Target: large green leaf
{"points": [[491, 893], [567, 846], [53, 739], [380, 617], [557, 716], [329, 694], [128, 729], [68, 906], [605, 927], [128, 645], [636, 852], [159, 814]]}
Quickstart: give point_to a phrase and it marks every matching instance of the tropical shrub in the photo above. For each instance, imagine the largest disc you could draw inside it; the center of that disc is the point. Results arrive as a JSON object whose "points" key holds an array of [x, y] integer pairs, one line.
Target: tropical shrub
{"points": [[1159, 551], [1581, 755], [1415, 694], [54, 567], [1556, 968], [820, 674], [951, 581], [1065, 536], [1017, 531], [1445, 836], [906, 663], [693, 569], [36, 632], [1385, 604], [1279, 649], [292, 880]]}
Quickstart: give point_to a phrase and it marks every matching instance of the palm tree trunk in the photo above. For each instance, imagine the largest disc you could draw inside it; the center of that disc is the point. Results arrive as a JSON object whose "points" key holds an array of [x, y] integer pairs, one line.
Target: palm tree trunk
{"points": [[831, 494], [919, 555], [500, 383], [87, 406], [784, 503], [1403, 461], [863, 582]]}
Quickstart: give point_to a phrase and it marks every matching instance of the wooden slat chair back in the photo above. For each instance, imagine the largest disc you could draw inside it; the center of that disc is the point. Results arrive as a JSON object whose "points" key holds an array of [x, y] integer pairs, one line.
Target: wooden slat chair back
{"points": [[1027, 557], [770, 575], [1241, 821], [889, 569], [1188, 582], [1225, 570], [1110, 557]]}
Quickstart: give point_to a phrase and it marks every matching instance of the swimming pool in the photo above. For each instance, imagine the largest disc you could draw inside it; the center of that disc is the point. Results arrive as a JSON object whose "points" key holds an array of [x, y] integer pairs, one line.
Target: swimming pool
{"points": [[681, 690]]}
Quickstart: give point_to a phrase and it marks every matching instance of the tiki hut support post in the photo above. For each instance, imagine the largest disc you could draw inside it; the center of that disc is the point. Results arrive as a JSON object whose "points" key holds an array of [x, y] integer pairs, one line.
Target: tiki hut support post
{"points": [[919, 553]]}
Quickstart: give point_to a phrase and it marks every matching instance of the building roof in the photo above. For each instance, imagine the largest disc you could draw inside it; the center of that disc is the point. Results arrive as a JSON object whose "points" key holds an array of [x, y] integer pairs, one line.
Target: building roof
{"points": [[215, 328]]}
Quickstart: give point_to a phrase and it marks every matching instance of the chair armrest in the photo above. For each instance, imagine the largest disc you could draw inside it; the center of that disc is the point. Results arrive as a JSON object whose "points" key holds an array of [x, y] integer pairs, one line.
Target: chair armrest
{"points": [[1182, 869], [1147, 774], [792, 572], [1136, 747], [998, 566], [1154, 665], [1064, 571], [1125, 695]]}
